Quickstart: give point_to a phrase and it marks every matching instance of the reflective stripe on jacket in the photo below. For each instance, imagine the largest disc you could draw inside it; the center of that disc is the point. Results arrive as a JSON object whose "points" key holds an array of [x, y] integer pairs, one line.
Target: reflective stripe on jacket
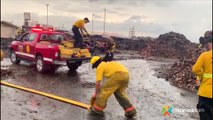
{"points": [[207, 75]]}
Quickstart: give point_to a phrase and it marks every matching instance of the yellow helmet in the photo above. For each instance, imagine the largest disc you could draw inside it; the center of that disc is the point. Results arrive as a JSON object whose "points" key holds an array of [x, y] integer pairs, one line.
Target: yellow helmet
{"points": [[94, 59]]}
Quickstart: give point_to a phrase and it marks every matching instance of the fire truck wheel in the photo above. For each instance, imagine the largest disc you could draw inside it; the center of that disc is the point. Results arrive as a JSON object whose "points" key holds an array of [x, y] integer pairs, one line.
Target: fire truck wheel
{"points": [[13, 57], [40, 64], [73, 66]]}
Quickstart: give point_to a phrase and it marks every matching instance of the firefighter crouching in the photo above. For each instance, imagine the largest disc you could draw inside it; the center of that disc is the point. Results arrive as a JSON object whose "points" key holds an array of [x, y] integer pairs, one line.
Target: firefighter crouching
{"points": [[116, 83]]}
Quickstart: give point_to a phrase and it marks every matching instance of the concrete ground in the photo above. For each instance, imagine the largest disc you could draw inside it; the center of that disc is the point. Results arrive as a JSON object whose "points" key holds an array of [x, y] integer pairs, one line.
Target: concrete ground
{"points": [[148, 93]]}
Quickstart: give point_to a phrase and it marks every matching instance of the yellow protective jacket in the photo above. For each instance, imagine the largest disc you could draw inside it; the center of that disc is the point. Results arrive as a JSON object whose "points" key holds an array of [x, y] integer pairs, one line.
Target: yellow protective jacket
{"points": [[113, 47], [203, 67], [107, 69], [79, 24]]}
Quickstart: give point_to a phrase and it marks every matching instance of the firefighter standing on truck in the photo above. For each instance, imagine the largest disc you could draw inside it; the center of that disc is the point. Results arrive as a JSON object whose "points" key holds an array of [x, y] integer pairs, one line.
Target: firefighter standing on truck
{"points": [[203, 68], [77, 35], [117, 80]]}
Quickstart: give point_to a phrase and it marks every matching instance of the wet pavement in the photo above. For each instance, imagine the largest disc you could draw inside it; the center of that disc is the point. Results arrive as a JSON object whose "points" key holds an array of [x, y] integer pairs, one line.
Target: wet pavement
{"points": [[147, 92]]}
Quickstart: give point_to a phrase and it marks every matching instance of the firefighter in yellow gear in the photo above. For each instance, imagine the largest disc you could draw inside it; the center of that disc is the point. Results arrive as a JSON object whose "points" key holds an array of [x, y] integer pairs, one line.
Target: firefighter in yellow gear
{"points": [[203, 68], [116, 83], [18, 31], [78, 35], [2, 55]]}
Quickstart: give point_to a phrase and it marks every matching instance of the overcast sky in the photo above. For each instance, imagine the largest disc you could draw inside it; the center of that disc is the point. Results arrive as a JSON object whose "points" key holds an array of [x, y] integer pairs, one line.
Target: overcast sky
{"points": [[149, 17]]}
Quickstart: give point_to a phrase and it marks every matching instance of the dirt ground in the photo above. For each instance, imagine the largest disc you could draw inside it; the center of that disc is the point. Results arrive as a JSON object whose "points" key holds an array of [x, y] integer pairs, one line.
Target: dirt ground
{"points": [[147, 91]]}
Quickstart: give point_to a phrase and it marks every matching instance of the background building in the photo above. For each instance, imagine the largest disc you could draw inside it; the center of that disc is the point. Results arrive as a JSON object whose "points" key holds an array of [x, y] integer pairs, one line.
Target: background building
{"points": [[8, 30]]}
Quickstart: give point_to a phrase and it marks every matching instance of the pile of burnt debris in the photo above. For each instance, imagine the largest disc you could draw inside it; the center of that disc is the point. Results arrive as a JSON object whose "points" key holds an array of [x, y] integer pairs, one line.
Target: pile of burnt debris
{"points": [[180, 74], [170, 45]]}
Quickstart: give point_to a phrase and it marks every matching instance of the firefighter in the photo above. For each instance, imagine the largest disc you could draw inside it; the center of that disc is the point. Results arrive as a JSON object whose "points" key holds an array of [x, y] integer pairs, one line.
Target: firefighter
{"points": [[203, 68], [18, 32], [109, 51], [2, 55], [117, 80], [77, 34]]}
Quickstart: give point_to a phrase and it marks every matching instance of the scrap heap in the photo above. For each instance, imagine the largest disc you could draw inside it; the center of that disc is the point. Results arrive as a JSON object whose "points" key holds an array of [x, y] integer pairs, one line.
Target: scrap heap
{"points": [[176, 46], [169, 45], [180, 74]]}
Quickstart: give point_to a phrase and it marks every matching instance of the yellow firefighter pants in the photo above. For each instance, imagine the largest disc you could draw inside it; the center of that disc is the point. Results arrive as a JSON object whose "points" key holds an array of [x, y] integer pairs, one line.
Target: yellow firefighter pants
{"points": [[116, 84]]}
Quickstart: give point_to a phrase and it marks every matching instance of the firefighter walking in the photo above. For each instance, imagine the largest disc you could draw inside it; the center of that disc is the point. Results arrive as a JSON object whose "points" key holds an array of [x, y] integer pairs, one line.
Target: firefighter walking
{"points": [[203, 68], [116, 83], [77, 34]]}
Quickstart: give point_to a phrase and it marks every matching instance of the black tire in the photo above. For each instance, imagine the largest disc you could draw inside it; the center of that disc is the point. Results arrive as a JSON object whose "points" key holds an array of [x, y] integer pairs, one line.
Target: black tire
{"points": [[74, 66], [13, 57], [40, 67]]}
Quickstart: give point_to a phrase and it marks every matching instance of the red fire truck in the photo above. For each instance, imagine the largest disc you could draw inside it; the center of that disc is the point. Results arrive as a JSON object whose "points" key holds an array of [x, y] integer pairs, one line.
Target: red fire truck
{"points": [[47, 49]]}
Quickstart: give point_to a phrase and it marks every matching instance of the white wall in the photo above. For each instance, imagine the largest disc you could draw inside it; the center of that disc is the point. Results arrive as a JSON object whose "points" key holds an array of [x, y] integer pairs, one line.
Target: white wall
{"points": [[7, 31]]}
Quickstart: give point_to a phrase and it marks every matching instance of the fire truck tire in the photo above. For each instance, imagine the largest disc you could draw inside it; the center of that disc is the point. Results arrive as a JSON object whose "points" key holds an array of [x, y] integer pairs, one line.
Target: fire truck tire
{"points": [[13, 57], [40, 67], [74, 66]]}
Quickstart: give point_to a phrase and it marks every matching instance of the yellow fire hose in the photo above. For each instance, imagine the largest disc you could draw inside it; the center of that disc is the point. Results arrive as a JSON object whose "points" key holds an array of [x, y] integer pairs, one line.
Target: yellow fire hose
{"points": [[76, 103]]}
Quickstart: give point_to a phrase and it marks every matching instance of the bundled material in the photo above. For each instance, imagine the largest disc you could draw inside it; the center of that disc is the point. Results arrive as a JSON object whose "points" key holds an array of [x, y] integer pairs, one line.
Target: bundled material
{"points": [[67, 44], [67, 51], [85, 53]]}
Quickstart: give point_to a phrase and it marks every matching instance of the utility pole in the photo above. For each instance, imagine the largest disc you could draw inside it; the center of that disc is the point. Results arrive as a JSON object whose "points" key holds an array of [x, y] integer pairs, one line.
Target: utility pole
{"points": [[129, 32], [132, 32], [104, 20], [47, 14], [92, 23]]}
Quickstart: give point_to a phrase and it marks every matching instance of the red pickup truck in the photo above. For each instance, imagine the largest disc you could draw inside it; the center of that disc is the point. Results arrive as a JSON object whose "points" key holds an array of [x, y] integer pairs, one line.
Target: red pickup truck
{"points": [[45, 49]]}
